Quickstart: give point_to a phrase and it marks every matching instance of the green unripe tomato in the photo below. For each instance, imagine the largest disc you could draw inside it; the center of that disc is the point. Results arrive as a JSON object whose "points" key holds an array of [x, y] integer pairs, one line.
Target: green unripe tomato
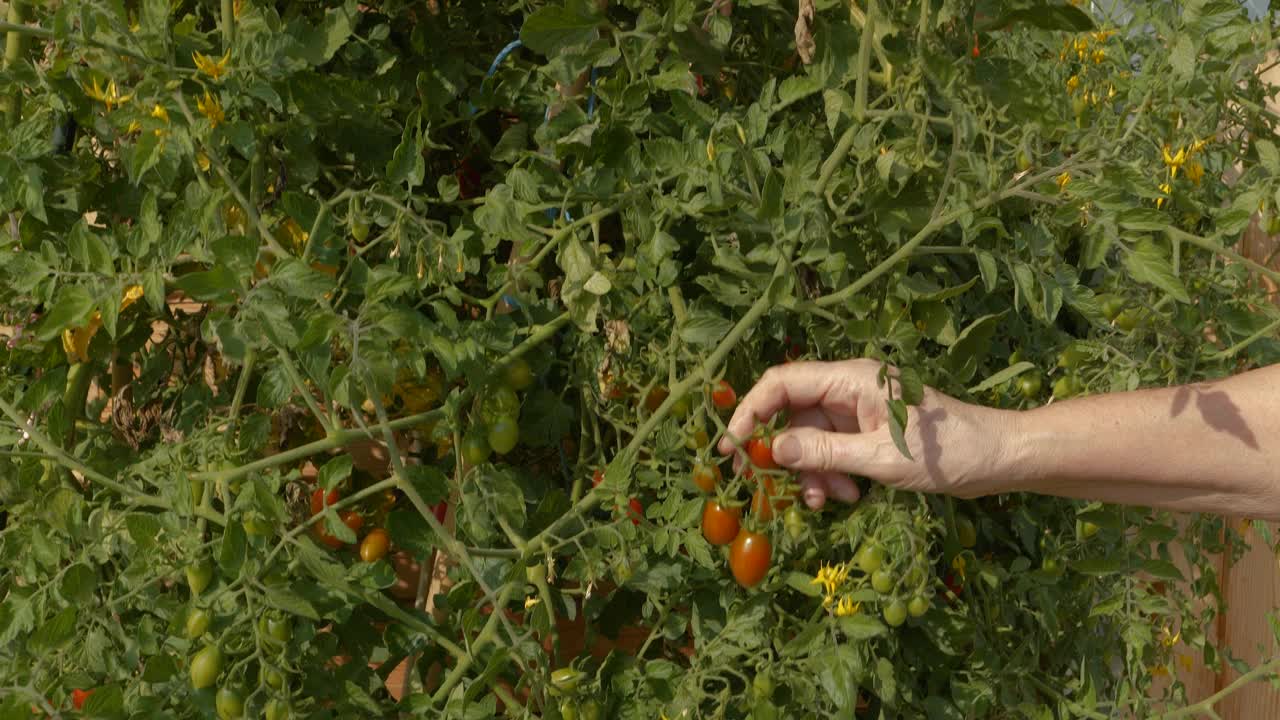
{"points": [[276, 630], [359, 230], [569, 710], [501, 402], [918, 606], [1065, 387], [197, 623], [882, 581], [565, 680], [475, 448], [518, 374], [762, 686], [271, 677], [589, 710], [504, 435], [1024, 161], [1071, 356], [277, 709], [1087, 529], [1129, 319], [1051, 566], [794, 522], [870, 558], [895, 613], [255, 524], [199, 575], [229, 704], [1029, 385], [205, 666]]}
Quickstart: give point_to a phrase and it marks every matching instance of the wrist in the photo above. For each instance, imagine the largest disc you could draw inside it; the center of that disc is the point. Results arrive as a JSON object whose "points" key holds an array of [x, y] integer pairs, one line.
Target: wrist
{"points": [[1016, 453]]}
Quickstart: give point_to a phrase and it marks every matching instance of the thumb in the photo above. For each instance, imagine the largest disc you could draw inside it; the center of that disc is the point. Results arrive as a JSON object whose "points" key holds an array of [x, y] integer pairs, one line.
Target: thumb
{"points": [[808, 449]]}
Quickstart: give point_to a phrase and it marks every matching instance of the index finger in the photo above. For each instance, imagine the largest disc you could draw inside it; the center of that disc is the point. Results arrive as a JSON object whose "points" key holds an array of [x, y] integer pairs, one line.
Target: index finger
{"points": [[797, 386]]}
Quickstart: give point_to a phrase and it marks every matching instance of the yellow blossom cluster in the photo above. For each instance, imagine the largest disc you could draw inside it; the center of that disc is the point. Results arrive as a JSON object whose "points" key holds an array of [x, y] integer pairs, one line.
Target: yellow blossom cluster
{"points": [[832, 578], [1087, 49], [109, 96], [211, 67], [1181, 160]]}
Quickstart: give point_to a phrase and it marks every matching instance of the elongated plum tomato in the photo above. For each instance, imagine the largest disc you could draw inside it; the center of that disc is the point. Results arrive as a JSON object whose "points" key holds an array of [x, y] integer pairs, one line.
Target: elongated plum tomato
{"points": [[197, 623], [374, 546], [760, 450], [518, 374], [749, 558], [706, 477], [635, 511], [229, 704], [504, 434], [723, 396], [205, 666], [475, 448], [766, 501], [350, 518], [720, 524]]}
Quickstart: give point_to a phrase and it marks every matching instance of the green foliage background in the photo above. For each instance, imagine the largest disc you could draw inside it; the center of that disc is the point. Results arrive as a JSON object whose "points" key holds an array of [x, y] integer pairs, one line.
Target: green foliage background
{"points": [[368, 218]]}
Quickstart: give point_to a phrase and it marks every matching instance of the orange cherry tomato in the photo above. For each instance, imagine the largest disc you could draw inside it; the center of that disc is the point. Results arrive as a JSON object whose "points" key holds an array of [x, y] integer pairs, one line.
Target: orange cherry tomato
{"points": [[749, 558], [706, 477], [766, 501], [720, 524], [760, 450], [597, 478], [78, 697], [723, 396], [375, 545]]}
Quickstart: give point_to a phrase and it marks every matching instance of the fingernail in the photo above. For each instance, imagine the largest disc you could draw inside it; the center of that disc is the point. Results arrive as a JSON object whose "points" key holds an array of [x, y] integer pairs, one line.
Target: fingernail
{"points": [[814, 498], [786, 450]]}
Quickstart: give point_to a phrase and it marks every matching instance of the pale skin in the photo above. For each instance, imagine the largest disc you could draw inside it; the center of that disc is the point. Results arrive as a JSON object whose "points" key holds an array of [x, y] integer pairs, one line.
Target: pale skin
{"points": [[1209, 447]]}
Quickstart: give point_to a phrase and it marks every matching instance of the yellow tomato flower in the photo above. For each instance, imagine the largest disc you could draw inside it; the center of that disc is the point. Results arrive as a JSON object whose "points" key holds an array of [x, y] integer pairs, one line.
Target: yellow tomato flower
{"points": [[1186, 661], [158, 112], [202, 160], [213, 68], [1111, 91], [1174, 161], [75, 341], [831, 577], [1165, 188], [1198, 145], [1073, 83], [134, 127], [1195, 171], [1098, 56], [211, 108], [110, 96], [958, 564], [1063, 181], [530, 602], [847, 607]]}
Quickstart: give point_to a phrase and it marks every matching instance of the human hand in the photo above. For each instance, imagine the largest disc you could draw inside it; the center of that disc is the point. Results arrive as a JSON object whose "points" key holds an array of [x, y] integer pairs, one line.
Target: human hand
{"points": [[839, 425]]}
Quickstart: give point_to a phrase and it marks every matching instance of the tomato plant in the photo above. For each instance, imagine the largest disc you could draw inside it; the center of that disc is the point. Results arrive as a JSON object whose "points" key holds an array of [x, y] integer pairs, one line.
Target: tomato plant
{"points": [[229, 302]]}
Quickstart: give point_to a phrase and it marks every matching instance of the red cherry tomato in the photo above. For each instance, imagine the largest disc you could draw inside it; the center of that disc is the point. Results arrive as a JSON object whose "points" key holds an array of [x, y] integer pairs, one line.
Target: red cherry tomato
{"points": [[597, 478], [720, 524], [349, 518], [636, 512], [441, 509], [319, 500], [723, 396], [766, 501], [760, 450], [78, 697], [749, 558]]}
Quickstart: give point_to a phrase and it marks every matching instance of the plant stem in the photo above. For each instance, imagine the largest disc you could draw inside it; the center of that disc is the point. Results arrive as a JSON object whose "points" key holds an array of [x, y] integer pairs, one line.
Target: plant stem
{"points": [[301, 386], [228, 24], [15, 46], [1206, 244], [1205, 706]]}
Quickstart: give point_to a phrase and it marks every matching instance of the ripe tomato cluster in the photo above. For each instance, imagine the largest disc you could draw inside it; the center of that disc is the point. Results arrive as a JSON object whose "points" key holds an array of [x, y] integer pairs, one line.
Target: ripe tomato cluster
{"points": [[750, 550]]}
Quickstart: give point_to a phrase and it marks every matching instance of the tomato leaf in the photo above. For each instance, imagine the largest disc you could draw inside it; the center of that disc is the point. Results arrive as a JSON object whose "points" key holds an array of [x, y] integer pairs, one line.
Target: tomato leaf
{"points": [[1002, 377], [552, 28], [803, 584], [71, 308], [861, 627], [334, 472], [1149, 263], [897, 426]]}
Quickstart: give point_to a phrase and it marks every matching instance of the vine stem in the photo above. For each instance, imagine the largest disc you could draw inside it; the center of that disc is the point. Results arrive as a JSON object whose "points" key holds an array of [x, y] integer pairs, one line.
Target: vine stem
{"points": [[1206, 706], [1206, 244], [301, 386], [15, 45], [935, 224]]}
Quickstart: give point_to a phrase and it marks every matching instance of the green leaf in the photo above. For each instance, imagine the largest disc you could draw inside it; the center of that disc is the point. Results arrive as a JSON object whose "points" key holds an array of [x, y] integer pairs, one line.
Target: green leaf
{"points": [[71, 309], [1100, 566], [217, 285], [334, 472], [406, 165], [1051, 15], [284, 599], [704, 328], [803, 584], [143, 529], [78, 584], [55, 632], [1162, 569], [555, 27], [1268, 155], [861, 627], [897, 426], [1148, 263], [232, 551], [1182, 58], [1002, 377]]}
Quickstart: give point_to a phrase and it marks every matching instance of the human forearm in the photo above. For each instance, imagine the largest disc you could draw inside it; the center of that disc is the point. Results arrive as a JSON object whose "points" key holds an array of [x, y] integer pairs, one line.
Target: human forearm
{"points": [[1210, 447]]}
